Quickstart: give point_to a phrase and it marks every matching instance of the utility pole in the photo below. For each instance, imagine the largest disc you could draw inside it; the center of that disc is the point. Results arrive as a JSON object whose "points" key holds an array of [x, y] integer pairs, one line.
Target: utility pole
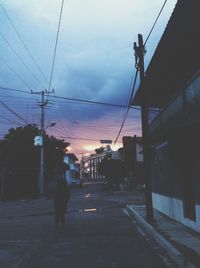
{"points": [[82, 167], [41, 177], [139, 57], [43, 103]]}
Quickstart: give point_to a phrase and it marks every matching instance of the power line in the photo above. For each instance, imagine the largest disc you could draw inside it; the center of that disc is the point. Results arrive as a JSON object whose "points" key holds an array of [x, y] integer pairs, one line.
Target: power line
{"points": [[13, 89], [56, 131], [56, 44], [11, 97], [137, 72], [8, 118], [61, 114], [12, 111], [77, 138], [17, 75], [155, 22], [9, 122], [95, 102], [129, 94], [20, 59], [61, 131], [129, 105], [77, 100], [22, 41]]}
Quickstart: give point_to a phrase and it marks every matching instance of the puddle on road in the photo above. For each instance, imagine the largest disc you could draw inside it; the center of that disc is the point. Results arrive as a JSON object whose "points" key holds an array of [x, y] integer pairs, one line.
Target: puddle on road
{"points": [[88, 210]]}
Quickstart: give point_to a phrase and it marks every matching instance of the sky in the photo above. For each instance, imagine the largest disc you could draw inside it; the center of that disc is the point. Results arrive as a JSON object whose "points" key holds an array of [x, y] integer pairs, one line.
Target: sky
{"points": [[94, 62]]}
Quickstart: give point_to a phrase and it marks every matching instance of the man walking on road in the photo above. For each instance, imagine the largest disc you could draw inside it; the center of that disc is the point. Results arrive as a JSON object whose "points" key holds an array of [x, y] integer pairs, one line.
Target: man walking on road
{"points": [[61, 198]]}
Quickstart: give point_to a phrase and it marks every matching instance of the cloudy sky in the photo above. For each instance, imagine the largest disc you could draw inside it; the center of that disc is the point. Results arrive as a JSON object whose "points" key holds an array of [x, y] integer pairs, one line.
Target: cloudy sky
{"points": [[94, 61]]}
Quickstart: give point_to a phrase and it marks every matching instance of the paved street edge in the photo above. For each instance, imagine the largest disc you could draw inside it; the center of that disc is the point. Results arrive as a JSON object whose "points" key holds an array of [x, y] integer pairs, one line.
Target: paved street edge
{"points": [[176, 256]]}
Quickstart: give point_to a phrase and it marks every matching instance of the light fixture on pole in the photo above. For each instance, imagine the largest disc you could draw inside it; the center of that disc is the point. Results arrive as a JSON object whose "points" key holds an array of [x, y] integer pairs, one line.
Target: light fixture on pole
{"points": [[51, 125]]}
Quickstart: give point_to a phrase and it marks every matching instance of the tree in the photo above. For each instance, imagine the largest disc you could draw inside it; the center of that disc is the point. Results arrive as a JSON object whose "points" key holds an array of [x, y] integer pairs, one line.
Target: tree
{"points": [[113, 169], [103, 149], [99, 150], [23, 159]]}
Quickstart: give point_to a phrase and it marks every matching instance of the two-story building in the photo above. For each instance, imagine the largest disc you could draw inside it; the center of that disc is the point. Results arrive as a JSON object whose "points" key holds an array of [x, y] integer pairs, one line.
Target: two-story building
{"points": [[73, 172], [90, 165], [172, 84]]}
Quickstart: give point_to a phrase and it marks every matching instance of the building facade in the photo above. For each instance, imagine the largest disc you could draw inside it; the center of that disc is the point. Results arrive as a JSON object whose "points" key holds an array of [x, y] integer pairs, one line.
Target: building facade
{"points": [[73, 171], [175, 157], [172, 85], [133, 160], [89, 164]]}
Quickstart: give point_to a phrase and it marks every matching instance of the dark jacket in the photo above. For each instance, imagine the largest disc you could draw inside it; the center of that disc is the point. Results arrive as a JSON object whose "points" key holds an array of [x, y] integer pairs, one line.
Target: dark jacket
{"points": [[62, 192]]}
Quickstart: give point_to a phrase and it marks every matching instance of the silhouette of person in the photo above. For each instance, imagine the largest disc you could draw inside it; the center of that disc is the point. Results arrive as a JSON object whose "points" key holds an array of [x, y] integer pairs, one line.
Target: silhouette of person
{"points": [[61, 198]]}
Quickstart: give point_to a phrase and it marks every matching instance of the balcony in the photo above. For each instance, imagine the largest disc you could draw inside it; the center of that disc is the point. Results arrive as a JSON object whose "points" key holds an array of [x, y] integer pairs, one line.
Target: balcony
{"points": [[183, 110]]}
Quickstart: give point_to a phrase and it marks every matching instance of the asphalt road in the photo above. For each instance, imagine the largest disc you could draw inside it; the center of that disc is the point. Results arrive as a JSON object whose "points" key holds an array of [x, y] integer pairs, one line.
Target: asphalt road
{"points": [[98, 234]]}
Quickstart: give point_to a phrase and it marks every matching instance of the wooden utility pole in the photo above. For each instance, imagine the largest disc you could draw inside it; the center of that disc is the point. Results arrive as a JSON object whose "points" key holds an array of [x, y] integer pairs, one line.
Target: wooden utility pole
{"points": [[41, 177], [41, 180], [139, 55]]}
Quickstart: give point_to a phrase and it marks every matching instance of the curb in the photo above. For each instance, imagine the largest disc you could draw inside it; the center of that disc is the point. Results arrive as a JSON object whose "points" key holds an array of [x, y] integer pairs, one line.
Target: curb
{"points": [[176, 256]]}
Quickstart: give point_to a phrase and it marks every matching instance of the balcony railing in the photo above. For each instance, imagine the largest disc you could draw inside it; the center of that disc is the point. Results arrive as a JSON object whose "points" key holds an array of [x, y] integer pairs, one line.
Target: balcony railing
{"points": [[182, 110]]}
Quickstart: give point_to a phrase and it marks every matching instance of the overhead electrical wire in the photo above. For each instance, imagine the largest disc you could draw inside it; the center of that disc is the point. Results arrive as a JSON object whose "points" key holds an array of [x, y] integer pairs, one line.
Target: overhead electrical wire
{"points": [[13, 89], [62, 131], [8, 118], [17, 75], [74, 99], [148, 36], [79, 100], [9, 122], [78, 138], [11, 97], [61, 114], [56, 44], [20, 59], [12, 111], [155, 22], [23, 43], [128, 108], [94, 102]]}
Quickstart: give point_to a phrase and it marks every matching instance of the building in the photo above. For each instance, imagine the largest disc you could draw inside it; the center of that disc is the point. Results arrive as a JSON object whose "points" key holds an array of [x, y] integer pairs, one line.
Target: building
{"points": [[90, 164], [133, 160], [73, 172], [172, 84]]}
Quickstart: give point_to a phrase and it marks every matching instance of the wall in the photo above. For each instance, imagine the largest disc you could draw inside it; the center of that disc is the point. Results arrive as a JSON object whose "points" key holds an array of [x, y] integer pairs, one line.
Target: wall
{"points": [[139, 152], [173, 208], [172, 174]]}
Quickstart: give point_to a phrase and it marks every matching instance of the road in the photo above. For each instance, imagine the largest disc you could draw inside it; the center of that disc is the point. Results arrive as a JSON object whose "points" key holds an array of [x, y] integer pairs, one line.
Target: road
{"points": [[98, 234]]}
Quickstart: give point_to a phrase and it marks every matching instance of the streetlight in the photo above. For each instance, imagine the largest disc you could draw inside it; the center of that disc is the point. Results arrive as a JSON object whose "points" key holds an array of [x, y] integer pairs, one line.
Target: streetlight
{"points": [[51, 125]]}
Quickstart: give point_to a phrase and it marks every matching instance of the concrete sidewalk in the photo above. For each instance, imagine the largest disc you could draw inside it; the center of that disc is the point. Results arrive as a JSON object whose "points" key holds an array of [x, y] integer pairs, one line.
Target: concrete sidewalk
{"points": [[180, 243]]}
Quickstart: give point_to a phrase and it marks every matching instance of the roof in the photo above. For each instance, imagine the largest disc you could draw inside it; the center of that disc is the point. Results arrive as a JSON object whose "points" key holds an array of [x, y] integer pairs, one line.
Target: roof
{"points": [[176, 58]]}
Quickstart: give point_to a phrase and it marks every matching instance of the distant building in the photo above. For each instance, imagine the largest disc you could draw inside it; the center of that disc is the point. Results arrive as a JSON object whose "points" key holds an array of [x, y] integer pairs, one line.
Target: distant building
{"points": [[172, 85], [90, 164], [73, 173], [133, 160], [116, 155]]}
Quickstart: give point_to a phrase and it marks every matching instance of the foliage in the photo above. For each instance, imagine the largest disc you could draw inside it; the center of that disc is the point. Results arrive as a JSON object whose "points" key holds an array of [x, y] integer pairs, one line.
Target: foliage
{"points": [[113, 169], [103, 149], [99, 150], [22, 159]]}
